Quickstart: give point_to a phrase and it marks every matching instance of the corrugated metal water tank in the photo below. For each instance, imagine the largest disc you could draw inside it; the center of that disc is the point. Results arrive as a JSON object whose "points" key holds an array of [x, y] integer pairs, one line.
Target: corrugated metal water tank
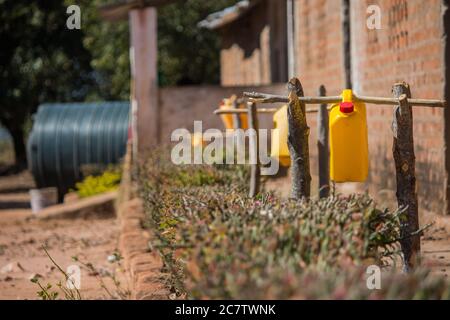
{"points": [[66, 136]]}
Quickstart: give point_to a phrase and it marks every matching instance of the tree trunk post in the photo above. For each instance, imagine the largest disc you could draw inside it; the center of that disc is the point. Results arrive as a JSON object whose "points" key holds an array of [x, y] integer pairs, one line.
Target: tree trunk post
{"points": [[298, 142], [403, 151], [236, 116], [253, 143], [323, 147]]}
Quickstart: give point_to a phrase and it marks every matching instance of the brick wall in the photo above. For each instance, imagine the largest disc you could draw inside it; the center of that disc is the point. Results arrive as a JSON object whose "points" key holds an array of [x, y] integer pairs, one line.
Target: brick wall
{"points": [[244, 57], [318, 56], [254, 47], [181, 106], [318, 45], [407, 48]]}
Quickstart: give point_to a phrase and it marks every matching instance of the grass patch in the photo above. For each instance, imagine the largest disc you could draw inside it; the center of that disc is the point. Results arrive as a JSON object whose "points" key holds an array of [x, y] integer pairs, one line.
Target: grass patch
{"points": [[108, 180]]}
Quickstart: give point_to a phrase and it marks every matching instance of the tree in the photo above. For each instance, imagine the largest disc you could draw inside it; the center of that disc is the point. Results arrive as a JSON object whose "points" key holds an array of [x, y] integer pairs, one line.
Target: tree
{"points": [[41, 60], [186, 53], [108, 44]]}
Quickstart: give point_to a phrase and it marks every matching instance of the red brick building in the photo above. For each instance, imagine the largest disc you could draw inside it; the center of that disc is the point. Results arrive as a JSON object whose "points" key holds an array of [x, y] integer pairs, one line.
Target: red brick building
{"points": [[411, 46], [253, 42]]}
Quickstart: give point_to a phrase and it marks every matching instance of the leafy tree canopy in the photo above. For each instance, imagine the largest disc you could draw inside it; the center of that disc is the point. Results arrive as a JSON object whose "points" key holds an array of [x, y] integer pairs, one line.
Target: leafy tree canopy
{"points": [[188, 54], [41, 60]]}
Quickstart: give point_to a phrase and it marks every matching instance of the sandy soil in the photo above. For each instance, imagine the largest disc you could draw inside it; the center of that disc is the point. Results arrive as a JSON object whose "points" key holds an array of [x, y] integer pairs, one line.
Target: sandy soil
{"points": [[436, 244], [22, 236]]}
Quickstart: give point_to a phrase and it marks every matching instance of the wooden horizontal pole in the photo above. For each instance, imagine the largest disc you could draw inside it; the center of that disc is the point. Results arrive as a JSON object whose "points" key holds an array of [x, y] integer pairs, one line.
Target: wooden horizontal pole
{"points": [[260, 110], [395, 101], [270, 98], [234, 111]]}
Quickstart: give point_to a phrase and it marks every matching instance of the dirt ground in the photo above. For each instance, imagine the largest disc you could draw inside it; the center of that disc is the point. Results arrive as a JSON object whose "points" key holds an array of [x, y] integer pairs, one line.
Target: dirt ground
{"points": [[435, 244], [92, 239]]}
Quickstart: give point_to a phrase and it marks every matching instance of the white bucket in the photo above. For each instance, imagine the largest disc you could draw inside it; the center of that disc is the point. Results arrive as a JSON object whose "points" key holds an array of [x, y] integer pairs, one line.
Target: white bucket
{"points": [[42, 198]]}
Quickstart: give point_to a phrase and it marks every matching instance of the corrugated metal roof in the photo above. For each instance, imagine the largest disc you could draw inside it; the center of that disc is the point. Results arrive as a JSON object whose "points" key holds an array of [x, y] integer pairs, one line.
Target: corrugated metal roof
{"points": [[221, 18]]}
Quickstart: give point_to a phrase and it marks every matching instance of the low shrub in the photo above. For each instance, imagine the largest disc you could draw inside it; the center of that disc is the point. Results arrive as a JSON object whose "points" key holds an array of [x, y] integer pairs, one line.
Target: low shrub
{"points": [[218, 243], [109, 180]]}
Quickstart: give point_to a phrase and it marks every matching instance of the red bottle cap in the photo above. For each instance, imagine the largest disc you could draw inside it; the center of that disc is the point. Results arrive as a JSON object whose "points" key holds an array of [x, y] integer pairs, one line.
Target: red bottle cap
{"points": [[346, 107]]}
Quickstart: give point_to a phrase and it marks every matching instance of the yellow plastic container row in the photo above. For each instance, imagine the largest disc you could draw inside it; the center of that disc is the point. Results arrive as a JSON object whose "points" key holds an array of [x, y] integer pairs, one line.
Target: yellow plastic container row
{"points": [[279, 147], [227, 119], [349, 152], [349, 155]]}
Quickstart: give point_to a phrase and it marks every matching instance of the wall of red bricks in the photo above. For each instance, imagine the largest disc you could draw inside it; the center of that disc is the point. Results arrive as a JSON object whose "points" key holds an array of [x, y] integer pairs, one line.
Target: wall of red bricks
{"points": [[245, 56], [407, 48], [254, 47], [318, 55], [318, 41], [181, 106]]}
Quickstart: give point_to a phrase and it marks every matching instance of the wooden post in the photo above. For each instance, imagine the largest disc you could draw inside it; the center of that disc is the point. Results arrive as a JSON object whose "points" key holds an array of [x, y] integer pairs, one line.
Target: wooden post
{"points": [[403, 150], [255, 176], [143, 54], [322, 147], [236, 116], [298, 142]]}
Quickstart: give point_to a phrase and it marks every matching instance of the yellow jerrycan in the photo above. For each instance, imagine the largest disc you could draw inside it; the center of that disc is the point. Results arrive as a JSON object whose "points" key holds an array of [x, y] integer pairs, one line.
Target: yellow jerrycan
{"points": [[279, 148], [227, 119], [349, 151]]}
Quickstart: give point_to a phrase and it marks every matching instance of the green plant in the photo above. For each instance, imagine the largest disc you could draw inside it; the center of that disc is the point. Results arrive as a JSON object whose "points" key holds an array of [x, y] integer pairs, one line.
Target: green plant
{"points": [[217, 243], [49, 292], [107, 181], [46, 292], [119, 292]]}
